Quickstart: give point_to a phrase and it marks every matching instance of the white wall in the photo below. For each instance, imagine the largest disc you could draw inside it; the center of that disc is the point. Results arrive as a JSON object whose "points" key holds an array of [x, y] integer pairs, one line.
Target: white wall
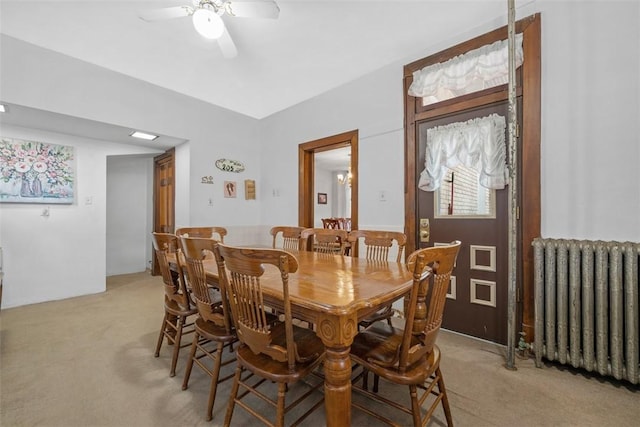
{"points": [[591, 120], [378, 116], [129, 209], [78, 234], [323, 184], [80, 89], [182, 179], [64, 254]]}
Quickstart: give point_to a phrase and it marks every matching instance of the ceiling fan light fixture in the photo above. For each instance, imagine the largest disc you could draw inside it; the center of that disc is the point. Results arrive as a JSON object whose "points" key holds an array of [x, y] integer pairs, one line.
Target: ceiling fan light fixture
{"points": [[208, 23]]}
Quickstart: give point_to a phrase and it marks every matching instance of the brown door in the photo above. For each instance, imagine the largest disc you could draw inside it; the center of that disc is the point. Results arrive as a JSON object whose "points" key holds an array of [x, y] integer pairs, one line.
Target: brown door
{"points": [[163, 197], [477, 300]]}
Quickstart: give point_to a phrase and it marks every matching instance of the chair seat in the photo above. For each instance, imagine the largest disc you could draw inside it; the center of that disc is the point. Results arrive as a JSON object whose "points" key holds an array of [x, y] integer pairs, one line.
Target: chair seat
{"points": [[213, 332], [174, 308], [309, 347], [376, 348], [385, 313]]}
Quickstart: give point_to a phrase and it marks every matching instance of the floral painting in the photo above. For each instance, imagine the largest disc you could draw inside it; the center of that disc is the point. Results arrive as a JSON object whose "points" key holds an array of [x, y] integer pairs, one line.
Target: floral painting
{"points": [[36, 172]]}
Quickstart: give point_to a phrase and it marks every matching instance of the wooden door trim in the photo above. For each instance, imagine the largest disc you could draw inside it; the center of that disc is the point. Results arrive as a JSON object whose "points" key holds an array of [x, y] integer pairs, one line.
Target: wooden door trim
{"points": [[529, 89], [306, 169]]}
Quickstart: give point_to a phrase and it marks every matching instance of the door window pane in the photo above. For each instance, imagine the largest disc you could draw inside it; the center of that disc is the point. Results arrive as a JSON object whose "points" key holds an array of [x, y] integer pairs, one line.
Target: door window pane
{"points": [[469, 198]]}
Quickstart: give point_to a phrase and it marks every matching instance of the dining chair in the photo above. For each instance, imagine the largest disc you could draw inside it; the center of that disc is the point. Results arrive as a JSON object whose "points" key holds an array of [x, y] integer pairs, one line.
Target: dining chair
{"points": [[330, 223], [213, 328], [278, 352], [290, 237], [376, 247], [177, 302], [217, 233], [344, 224], [410, 356], [323, 240]]}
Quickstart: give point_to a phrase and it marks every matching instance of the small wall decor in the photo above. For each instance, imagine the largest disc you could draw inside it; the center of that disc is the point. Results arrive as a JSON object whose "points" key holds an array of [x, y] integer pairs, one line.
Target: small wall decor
{"points": [[228, 165], [207, 180], [322, 198], [36, 172], [230, 189], [249, 189]]}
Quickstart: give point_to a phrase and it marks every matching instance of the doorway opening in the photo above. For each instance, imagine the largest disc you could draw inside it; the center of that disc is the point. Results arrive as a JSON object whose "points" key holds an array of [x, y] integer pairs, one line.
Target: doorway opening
{"points": [[307, 198]]}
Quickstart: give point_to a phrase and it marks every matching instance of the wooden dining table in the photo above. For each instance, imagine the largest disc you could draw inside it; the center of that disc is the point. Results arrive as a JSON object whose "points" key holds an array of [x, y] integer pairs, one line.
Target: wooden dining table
{"points": [[334, 292]]}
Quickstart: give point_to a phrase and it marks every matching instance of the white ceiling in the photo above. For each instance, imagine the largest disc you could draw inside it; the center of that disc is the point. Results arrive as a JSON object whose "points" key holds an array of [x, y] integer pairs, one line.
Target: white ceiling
{"points": [[337, 159], [312, 47]]}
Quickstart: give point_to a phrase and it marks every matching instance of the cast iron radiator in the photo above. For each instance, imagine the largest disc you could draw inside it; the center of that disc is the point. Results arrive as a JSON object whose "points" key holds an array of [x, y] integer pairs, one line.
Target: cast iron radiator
{"points": [[586, 305]]}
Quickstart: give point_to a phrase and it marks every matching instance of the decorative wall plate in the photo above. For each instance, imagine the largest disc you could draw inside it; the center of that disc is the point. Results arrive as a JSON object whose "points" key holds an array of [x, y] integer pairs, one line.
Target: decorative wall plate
{"points": [[228, 165]]}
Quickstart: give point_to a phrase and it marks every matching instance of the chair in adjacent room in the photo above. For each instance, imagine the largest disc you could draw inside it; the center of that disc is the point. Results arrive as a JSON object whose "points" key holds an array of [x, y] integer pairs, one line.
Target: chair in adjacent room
{"points": [[323, 240], [344, 224], [177, 303], [278, 352], [213, 328], [410, 356], [217, 233], [375, 246], [289, 236], [330, 223]]}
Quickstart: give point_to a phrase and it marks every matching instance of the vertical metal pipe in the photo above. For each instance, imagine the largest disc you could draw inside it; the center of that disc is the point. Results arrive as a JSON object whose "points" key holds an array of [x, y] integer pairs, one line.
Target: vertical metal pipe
{"points": [[513, 191]]}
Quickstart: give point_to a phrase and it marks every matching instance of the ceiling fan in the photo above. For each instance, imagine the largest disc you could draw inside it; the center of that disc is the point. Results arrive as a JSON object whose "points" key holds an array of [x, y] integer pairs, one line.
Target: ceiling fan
{"points": [[207, 17]]}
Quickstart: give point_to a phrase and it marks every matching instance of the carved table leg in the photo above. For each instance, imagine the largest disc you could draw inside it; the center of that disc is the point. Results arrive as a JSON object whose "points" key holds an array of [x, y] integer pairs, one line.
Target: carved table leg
{"points": [[337, 334], [337, 387]]}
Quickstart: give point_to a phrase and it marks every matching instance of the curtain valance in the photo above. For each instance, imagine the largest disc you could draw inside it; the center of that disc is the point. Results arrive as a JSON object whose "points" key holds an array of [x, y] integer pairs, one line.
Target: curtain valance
{"points": [[478, 69], [478, 143]]}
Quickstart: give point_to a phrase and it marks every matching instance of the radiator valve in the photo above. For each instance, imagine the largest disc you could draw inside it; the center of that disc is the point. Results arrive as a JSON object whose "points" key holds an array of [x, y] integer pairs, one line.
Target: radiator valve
{"points": [[523, 346]]}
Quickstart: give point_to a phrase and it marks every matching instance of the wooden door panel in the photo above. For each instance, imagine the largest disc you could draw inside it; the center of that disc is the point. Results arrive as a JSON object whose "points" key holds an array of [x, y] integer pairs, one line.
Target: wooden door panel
{"points": [[477, 304], [163, 198]]}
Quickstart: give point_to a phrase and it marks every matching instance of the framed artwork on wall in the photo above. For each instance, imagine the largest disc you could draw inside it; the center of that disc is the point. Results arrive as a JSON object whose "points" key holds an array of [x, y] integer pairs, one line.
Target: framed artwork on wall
{"points": [[36, 172], [322, 198], [230, 189]]}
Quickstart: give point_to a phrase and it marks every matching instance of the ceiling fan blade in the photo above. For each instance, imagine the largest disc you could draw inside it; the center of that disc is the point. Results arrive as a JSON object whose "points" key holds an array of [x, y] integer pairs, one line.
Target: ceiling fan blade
{"points": [[165, 13], [227, 46], [253, 9]]}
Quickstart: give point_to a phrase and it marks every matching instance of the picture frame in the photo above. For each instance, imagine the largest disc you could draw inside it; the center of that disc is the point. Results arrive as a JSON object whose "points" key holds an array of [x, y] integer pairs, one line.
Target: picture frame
{"points": [[36, 172], [230, 189], [322, 198]]}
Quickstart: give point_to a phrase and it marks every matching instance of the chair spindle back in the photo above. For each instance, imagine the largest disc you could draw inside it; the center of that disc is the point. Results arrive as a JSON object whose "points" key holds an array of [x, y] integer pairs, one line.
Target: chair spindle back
{"points": [[432, 269], [240, 271], [196, 250], [174, 281]]}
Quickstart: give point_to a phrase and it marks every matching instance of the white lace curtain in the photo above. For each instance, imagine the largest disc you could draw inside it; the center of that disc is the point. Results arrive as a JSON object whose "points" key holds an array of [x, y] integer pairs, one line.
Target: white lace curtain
{"points": [[478, 143], [478, 69]]}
